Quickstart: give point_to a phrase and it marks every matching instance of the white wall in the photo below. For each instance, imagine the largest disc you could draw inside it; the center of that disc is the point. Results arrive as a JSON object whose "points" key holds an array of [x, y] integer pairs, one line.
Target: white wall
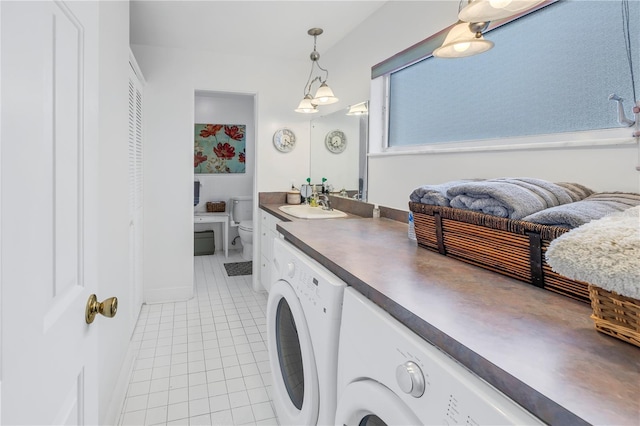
{"points": [[222, 108], [113, 232], [173, 76], [392, 179]]}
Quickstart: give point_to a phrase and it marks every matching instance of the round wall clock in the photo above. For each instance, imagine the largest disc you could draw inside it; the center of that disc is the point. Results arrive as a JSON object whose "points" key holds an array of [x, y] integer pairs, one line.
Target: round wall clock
{"points": [[284, 140], [335, 141]]}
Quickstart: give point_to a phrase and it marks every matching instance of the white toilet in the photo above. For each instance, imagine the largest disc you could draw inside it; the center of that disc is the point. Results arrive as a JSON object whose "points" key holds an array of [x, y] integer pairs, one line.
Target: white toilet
{"points": [[242, 217]]}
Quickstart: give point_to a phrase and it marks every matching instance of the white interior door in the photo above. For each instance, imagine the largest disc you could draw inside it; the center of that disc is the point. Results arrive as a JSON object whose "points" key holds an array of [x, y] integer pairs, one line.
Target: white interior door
{"points": [[49, 90]]}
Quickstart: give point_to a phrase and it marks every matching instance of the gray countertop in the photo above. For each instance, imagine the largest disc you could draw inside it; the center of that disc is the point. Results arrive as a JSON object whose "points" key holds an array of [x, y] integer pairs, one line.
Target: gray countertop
{"points": [[539, 348]]}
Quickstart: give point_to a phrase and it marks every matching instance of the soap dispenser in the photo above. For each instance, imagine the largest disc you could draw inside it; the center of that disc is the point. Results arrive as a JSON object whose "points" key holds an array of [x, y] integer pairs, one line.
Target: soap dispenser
{"points": [[293, 196]]}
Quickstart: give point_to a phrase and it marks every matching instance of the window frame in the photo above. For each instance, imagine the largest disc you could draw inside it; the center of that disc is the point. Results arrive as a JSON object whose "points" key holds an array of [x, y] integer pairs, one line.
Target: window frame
{"points": [[379, 112]]}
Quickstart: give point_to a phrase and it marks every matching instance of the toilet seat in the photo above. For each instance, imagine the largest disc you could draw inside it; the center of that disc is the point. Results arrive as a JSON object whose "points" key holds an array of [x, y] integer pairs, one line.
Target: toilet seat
{"points": [[246, 225]]}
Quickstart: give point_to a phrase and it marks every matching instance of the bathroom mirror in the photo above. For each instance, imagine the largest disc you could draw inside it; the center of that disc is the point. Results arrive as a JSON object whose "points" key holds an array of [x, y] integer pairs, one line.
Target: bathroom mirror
{"points": [[339, 149]]}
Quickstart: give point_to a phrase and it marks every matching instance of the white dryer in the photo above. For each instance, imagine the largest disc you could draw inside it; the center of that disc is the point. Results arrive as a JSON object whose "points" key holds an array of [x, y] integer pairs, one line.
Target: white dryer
{"points": [[303, 324], [389, 375]]}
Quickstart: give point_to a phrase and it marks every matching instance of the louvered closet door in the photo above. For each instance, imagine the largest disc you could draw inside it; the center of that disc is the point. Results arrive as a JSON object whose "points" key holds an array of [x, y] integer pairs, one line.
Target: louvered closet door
{"points": [[135, 192]]}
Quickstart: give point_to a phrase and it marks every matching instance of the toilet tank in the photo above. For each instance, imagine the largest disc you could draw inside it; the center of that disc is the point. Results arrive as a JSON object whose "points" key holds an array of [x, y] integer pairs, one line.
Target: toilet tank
{"points": [[241, 208]]}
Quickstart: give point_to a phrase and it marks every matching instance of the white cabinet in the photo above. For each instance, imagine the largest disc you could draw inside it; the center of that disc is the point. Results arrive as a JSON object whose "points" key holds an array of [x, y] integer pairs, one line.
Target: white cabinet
{"points": [[268, 233]]}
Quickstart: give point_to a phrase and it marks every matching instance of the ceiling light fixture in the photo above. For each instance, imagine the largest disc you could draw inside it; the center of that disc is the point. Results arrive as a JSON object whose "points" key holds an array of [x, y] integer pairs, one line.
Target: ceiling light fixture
{"points": [[490, 10], [324, 95], [358, 109], [465, 37]]}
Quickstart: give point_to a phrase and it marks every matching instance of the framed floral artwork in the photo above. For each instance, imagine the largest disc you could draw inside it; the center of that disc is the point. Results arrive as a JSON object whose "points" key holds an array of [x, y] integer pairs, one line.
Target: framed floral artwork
{"points": [[220, 148]]}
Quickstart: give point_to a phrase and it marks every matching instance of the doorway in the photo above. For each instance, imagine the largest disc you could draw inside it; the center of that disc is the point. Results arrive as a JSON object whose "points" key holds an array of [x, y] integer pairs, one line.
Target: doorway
{"points": [[230, 109]]}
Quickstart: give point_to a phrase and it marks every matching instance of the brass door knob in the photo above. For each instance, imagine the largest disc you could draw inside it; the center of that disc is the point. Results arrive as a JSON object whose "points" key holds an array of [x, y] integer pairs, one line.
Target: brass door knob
{"points": [[108, 308]]}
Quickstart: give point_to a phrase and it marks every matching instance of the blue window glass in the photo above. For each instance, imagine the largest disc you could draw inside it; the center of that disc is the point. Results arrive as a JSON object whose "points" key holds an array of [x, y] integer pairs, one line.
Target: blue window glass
{"points": [[551, 71]]}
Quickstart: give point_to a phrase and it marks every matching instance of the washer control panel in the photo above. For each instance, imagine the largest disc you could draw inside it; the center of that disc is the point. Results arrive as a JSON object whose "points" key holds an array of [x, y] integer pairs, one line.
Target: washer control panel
{"points": [[316, 287]]}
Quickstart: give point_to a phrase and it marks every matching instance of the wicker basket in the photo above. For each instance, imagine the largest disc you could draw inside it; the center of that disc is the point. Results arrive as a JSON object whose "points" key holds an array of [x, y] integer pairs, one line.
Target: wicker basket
{"points": [[616, 315], [510, 247], [216, 206]]}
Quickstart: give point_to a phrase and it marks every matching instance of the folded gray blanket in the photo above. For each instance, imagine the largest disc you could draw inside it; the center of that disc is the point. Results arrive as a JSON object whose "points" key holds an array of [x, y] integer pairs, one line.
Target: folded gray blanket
{"points": [[595, 206], [513, 198], [435, 195]]}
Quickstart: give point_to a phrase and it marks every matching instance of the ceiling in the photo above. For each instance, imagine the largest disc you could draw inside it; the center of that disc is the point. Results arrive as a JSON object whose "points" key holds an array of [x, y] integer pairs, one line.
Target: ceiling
{"points": [[254, 28]]}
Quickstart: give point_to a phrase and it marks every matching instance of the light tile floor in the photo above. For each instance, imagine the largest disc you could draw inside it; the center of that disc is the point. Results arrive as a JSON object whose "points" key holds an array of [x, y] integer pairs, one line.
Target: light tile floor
{"points": [[203, 361]]}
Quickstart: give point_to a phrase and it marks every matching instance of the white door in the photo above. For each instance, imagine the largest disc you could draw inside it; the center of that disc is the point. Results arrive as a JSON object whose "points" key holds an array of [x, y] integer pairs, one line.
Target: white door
{"points": [[49, 109]]}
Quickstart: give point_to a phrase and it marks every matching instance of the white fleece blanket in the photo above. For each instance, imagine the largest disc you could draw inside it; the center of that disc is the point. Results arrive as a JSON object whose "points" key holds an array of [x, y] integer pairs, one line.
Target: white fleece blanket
{"points": [[604, 252]]}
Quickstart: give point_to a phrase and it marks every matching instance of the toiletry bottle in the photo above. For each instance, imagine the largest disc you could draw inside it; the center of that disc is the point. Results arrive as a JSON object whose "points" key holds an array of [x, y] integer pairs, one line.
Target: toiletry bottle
{"points": [[412, 229]]}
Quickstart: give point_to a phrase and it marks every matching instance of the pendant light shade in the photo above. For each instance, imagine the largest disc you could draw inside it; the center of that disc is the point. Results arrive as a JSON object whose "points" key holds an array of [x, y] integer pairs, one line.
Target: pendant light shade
{"points": [[462, 42], [358, 109], [306, 107], [324, 96], [490, 10]]}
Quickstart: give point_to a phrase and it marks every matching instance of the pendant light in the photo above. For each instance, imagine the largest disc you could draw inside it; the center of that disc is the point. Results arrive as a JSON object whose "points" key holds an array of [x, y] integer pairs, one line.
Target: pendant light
{"points": [[305, 106], [463, 40], [490, 10], [324, 95], [358, 109], [465, 37]]}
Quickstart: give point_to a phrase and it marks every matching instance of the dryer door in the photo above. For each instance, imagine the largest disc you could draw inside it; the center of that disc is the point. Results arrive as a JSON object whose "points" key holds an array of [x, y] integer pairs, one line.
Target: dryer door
{"points": [[368, 402], [293, 365]]}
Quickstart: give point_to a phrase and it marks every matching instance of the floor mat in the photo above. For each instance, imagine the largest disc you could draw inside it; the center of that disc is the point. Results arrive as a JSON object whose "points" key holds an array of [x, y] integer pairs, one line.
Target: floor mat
{"points": [[238, 268]]}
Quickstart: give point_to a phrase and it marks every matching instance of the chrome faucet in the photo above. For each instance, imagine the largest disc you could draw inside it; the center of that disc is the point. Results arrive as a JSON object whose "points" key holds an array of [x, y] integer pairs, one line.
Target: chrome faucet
{"points": [[324, 201]]}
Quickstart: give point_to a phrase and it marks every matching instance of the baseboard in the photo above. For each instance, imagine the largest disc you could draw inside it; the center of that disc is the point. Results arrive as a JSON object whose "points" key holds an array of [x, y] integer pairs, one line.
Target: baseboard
{"points": [[116, 404]]}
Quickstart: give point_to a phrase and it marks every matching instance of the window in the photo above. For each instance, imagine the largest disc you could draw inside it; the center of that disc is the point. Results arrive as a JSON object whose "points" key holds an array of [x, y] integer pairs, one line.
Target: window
{"points": [[550, 72]]}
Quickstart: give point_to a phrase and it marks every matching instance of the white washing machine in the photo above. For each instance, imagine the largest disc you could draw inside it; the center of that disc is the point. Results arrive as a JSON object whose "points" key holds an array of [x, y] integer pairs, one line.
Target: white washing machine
{"points": [[303, 324], [389, 375]]}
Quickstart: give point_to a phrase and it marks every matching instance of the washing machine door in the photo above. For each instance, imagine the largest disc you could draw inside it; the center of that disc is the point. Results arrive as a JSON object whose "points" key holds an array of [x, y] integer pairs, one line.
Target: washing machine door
{"points": [[367, 402], [293, 365]]}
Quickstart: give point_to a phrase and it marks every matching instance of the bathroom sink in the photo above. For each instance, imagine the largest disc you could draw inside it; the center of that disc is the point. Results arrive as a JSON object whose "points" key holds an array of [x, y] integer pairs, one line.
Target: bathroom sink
{"points": [[304, 211]]}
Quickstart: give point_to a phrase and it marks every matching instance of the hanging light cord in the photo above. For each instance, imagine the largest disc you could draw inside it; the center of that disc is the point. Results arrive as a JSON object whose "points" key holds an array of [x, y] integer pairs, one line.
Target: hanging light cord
{"points": [[627, 42], [307, 87], [317, 62]]}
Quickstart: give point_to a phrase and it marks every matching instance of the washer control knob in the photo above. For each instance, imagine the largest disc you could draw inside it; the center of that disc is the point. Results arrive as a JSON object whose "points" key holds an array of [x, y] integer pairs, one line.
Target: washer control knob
{"points": [[291, 269], [410, 379]]}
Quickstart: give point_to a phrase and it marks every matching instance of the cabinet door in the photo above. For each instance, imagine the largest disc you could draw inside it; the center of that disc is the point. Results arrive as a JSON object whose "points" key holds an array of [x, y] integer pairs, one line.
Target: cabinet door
{"points": [[268, 232]]}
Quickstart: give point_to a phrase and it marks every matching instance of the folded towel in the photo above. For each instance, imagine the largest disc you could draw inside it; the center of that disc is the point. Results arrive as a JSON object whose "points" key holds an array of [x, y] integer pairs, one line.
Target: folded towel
{"points": [[576, 191], [604, 252], [435, 195], [512, 198], [595, 206], [196, 193]]}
